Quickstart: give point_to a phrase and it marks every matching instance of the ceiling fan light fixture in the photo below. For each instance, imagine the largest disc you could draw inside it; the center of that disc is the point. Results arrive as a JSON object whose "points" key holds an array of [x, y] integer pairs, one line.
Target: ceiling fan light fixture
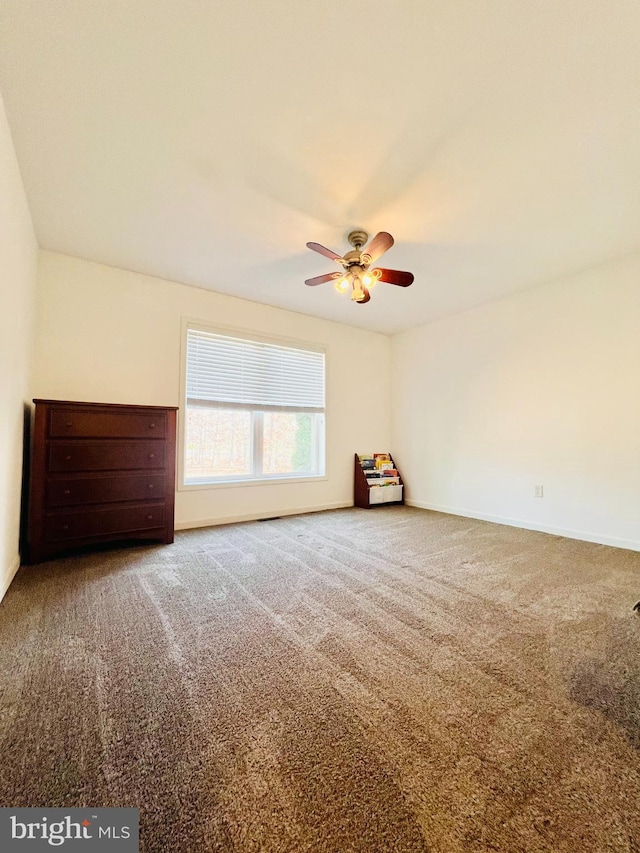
{"points": [[357, 274], [361, 295], [369, 279]]}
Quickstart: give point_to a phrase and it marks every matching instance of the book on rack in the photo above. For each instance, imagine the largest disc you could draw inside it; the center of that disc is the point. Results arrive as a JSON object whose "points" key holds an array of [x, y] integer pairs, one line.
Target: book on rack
{"points": [[382, 461]]}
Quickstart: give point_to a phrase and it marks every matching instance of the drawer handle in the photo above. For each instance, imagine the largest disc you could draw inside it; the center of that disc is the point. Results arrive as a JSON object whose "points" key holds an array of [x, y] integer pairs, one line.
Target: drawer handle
{"points": [[152, 426], [150, 486], [67, 491], [151, 455], [65, 526], [69, 423], [67, 458], [149, 517]]}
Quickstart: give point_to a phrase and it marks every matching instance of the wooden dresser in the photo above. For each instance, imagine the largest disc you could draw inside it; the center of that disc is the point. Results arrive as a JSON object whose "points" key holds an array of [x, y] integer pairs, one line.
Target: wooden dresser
{"points": [[100, 472]]}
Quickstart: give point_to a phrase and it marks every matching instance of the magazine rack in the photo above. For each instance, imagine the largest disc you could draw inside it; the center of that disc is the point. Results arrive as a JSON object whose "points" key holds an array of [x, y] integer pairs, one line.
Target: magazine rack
{"points": [[367, 496]]}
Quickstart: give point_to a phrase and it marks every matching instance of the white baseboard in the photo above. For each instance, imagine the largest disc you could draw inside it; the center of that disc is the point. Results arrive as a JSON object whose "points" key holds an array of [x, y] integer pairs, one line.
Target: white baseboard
{"points": [[585, 536], [7, 576], [255, 516]]}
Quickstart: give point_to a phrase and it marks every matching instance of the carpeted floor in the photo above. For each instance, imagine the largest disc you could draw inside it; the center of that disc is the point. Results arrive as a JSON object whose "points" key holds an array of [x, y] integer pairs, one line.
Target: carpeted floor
{"points": [[392, 680]]}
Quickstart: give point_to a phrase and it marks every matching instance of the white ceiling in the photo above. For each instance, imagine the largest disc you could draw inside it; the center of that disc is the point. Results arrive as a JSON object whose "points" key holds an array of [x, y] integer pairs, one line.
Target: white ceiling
{"points": [[207, 142]]}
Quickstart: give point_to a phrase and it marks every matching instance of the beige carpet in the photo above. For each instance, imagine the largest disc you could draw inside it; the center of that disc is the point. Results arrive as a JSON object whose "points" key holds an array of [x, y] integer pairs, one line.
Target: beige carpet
{"points": [[391, 680]]}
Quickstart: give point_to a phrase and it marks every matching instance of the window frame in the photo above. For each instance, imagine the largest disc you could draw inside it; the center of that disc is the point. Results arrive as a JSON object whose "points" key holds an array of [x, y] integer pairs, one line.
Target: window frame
{"points": [[247, 480]]}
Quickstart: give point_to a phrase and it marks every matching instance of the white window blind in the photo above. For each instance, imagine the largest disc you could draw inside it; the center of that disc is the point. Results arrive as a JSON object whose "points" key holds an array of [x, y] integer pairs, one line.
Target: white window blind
{"points": [[233, 370]]}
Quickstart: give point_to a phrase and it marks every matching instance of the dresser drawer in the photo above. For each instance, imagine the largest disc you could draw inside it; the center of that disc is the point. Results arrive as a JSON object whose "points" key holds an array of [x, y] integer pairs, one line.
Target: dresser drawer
{"points": [[97, 490], [100, 522], [105, 456], [71, 424]]}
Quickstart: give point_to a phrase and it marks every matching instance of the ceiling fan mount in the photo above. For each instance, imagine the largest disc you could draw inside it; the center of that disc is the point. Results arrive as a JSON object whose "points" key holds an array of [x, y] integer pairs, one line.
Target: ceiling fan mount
{"points": [[357, 276], [357, 239]]}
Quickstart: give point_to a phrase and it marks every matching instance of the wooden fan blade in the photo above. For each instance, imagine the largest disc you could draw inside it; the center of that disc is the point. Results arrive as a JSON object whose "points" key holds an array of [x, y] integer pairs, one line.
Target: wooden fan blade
{"points": [[402, 279], [328, 253], [378, 246], [320, 279]]}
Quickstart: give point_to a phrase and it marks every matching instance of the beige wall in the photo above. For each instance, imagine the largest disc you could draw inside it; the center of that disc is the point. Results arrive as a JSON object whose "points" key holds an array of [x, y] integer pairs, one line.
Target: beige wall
{"points": [[18, 261], [107, 335], [540, 388]]}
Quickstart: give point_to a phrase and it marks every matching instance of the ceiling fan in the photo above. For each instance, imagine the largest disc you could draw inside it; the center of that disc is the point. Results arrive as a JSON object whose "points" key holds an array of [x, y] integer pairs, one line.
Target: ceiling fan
{"points": [[356, 274]]}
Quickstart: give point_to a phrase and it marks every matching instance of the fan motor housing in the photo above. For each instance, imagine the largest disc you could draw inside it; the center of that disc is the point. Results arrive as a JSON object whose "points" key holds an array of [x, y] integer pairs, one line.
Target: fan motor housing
{"points": [[353, 258]]}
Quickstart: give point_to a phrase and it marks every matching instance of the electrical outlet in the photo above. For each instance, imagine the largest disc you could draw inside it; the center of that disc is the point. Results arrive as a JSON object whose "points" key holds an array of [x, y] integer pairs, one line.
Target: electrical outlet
{"points": [[538, 491]]}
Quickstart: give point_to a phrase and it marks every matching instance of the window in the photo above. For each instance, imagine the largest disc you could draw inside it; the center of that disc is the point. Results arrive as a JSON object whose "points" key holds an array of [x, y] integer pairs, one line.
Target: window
{"points": [[254, 409]]}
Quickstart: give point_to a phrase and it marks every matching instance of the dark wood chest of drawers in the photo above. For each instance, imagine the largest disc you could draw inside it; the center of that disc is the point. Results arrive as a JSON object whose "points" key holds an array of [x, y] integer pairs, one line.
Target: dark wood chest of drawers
{"points": [[100, 472]]}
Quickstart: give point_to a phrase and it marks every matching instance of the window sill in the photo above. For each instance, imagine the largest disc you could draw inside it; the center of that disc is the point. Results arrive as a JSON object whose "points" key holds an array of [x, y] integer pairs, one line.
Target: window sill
{"points": [[263, 481]]}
